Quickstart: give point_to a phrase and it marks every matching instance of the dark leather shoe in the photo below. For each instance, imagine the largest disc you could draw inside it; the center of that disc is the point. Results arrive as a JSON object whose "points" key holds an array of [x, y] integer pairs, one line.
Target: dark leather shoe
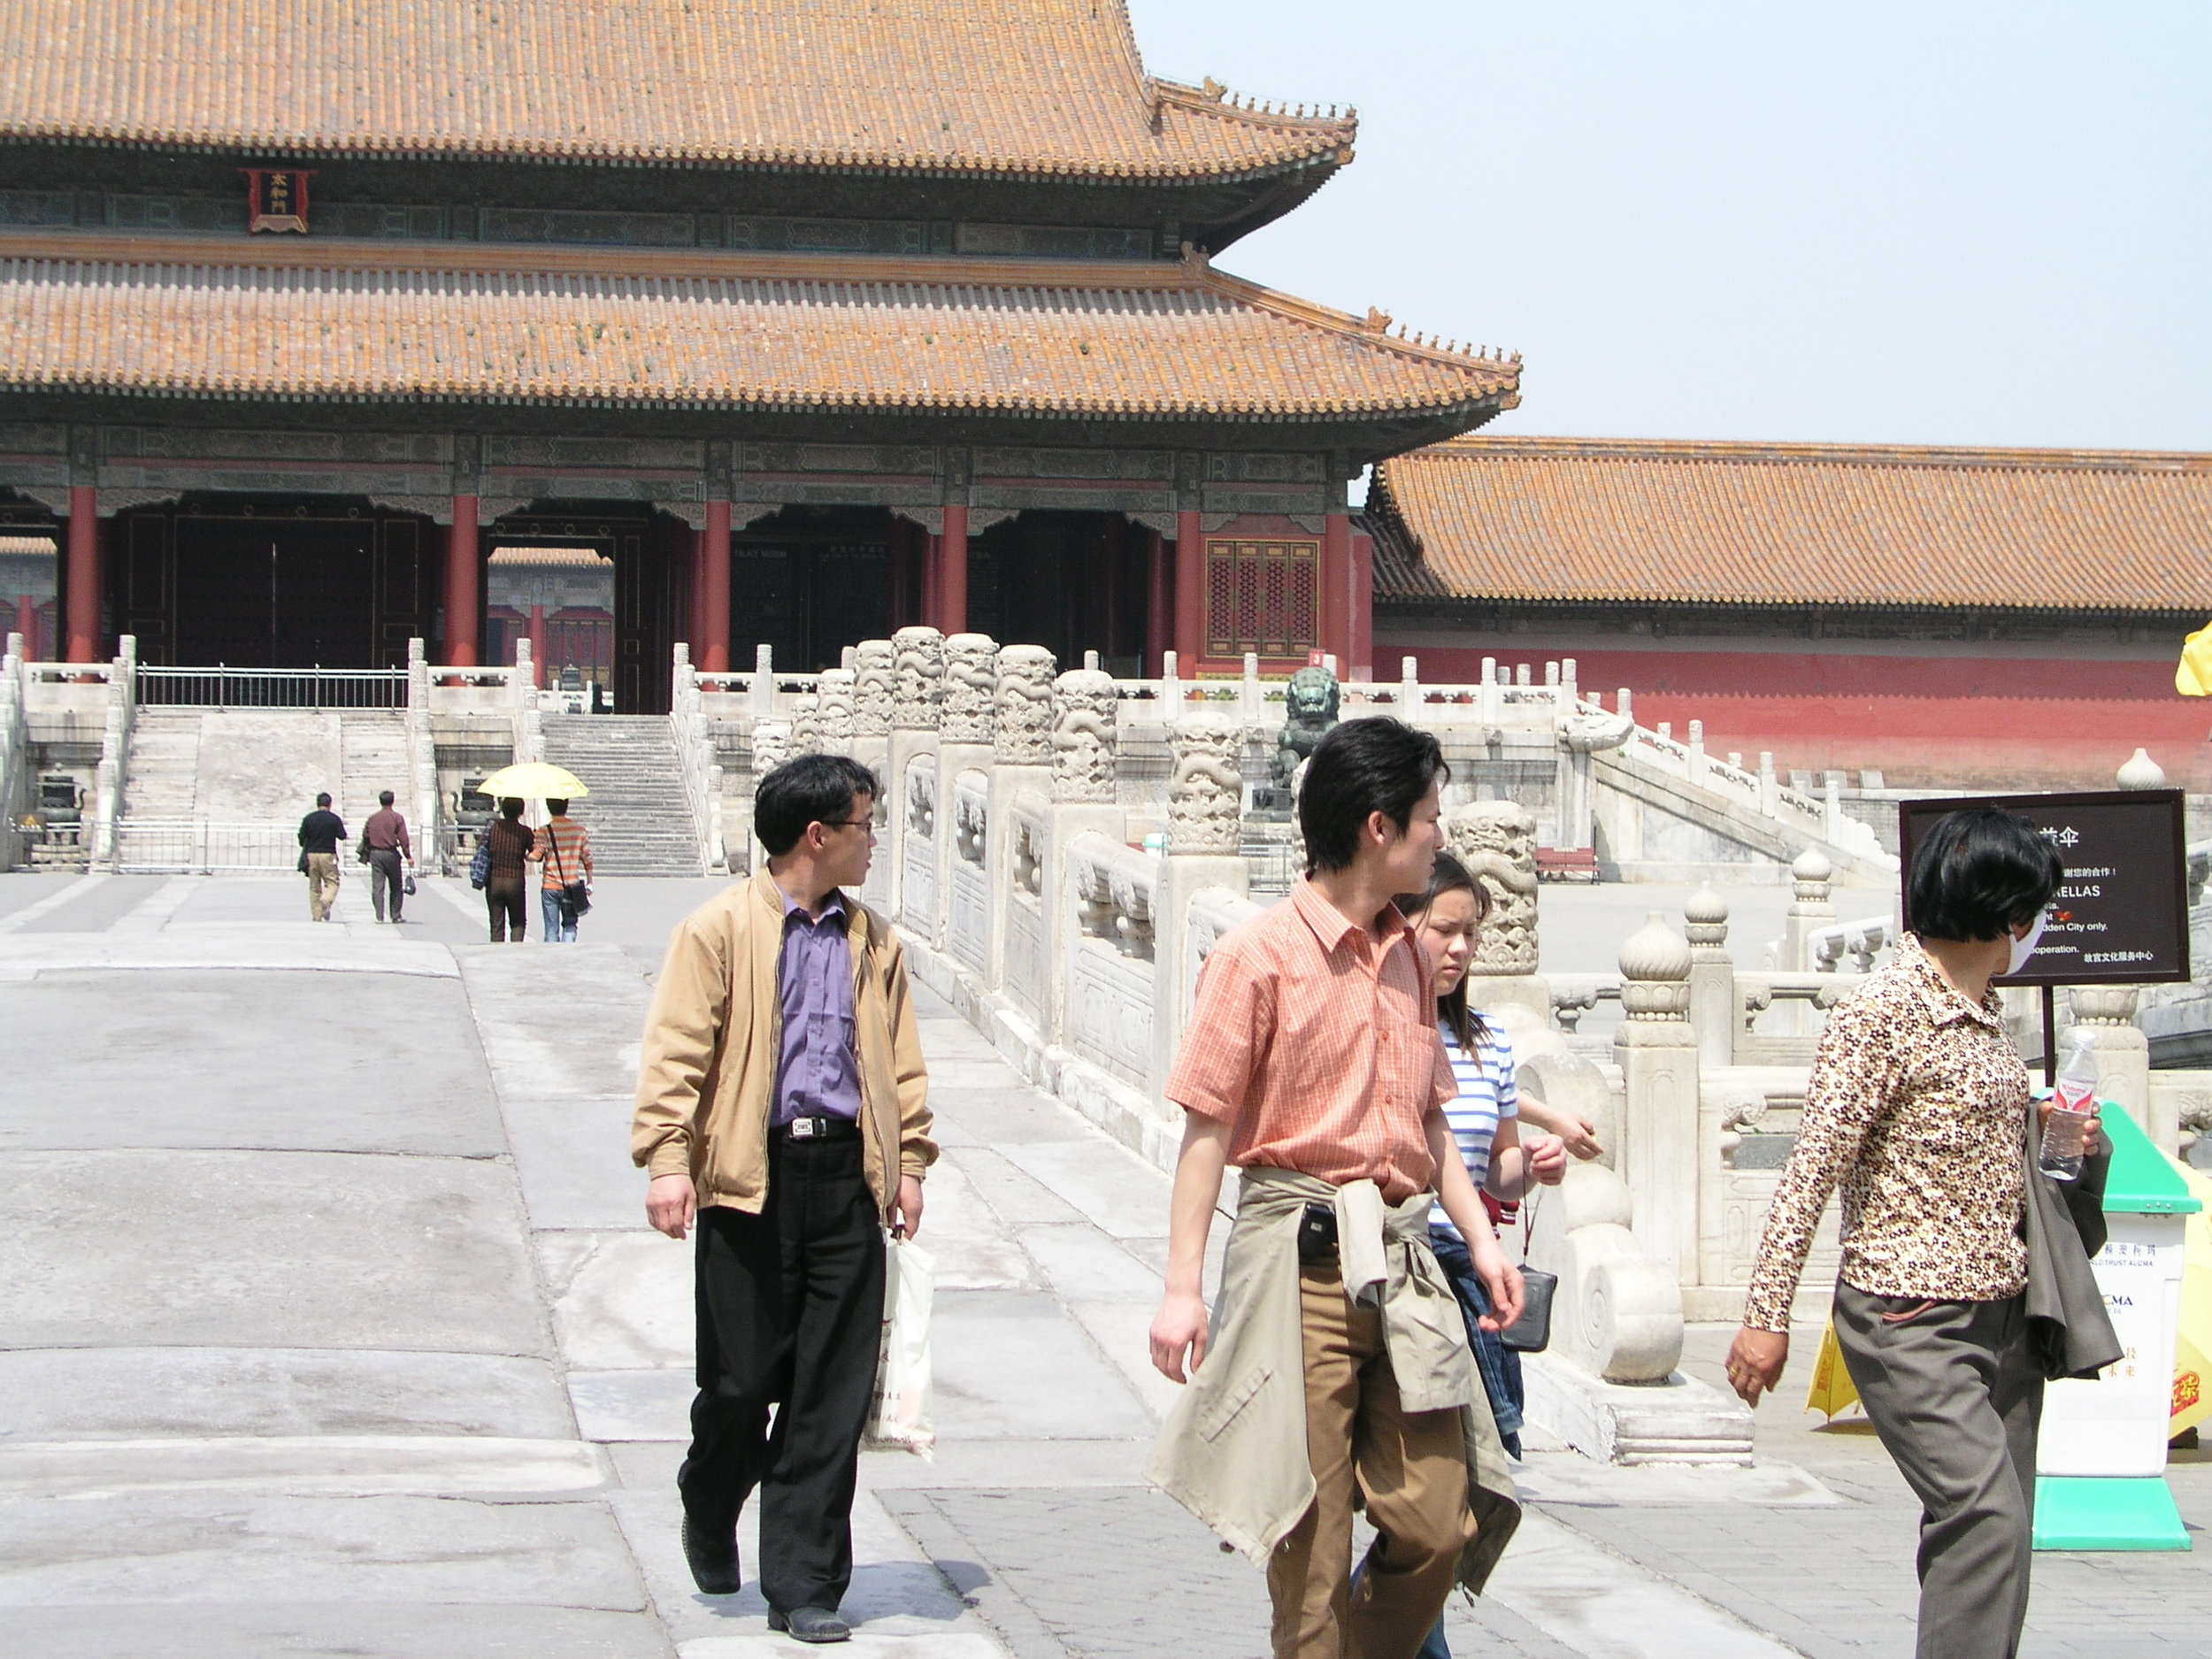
{"points": [[810, 1623], [713, 1559]]}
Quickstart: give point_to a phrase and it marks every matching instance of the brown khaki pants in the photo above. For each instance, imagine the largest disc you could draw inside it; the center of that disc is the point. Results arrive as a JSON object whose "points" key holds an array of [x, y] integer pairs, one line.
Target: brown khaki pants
{"points": [[1411, 1470], [322, 885]]}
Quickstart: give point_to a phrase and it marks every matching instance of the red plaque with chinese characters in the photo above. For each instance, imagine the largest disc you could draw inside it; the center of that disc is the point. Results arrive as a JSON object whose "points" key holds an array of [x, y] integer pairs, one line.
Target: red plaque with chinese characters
{"points": [[276, 199]]}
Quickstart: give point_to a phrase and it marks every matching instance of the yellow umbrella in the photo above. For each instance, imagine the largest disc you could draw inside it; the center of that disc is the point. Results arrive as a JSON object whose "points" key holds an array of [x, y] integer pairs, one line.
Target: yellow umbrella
{"points": [[2193, 1344], [1832, 1390], [533, 781], [2193, 676]]}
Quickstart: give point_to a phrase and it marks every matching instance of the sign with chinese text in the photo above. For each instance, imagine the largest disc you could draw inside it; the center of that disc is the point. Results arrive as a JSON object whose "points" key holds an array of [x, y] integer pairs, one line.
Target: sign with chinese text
{"points": [[276, 199], [2121, 914]]}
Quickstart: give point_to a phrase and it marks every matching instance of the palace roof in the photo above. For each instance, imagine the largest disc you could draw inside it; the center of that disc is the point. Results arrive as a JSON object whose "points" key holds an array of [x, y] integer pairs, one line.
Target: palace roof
{"points": [[474, 323], [1610, 520], [1030, 87]]}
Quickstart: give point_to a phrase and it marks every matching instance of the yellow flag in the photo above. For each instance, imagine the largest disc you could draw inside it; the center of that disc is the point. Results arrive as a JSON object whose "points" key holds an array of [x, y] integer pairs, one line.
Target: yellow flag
{"points": [[1832, 1391], [2193, 676]]}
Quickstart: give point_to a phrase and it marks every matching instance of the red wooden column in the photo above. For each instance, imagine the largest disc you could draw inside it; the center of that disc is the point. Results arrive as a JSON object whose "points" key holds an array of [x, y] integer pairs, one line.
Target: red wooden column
{"points": [[711, 650], [1336, 591], [82, 592], [1157, 617], [464, 578], [27, 624], [1363, 607], [952, 574], [1190, 594], [933, 582]]}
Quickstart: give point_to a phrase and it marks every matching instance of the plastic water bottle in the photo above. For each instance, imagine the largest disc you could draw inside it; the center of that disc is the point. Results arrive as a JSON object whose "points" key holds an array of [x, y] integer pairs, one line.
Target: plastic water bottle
{"points": [[2073, 1108]]}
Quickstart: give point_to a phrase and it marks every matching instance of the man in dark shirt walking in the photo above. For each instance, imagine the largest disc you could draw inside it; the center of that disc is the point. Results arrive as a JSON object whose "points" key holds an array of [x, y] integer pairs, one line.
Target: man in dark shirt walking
{"points": [[320, 832], [384, 835]]}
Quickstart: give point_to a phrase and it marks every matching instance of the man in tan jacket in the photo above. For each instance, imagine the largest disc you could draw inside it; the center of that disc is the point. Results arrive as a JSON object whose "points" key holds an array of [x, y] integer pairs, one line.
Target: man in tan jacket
{"points": [[782, 1104]]}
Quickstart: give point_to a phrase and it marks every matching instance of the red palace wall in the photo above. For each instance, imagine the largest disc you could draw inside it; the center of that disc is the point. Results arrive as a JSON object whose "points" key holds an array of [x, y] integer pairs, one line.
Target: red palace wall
{"points": [[1953, 721]]}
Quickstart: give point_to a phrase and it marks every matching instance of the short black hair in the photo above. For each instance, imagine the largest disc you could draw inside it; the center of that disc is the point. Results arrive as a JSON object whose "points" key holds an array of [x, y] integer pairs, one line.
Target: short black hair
{"points": [[807, 789], [1377, 764], [510, 807], [554, 808], [323, 799], [384, 797], [1977, 874]]}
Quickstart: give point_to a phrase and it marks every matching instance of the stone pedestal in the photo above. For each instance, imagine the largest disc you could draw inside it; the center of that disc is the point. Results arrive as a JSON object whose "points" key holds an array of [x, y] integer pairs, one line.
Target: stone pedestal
{"points": [[2124, 1059], [1713, 1014], [1656, 1051]]}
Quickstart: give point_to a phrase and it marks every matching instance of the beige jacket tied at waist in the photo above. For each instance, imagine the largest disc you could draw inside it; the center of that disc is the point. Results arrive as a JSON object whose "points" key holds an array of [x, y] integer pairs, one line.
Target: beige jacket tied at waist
{"points": [[707, 1070], [1233, 1450]]}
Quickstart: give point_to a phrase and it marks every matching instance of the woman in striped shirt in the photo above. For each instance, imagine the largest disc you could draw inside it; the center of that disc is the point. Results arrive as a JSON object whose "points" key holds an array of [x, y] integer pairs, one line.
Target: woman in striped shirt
{"points": [[1485, 1117]]}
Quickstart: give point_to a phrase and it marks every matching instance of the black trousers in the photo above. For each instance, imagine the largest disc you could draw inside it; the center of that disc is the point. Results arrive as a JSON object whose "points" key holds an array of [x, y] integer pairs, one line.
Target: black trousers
{"points": [[385, 875], [790, 1308], [503, 900]]}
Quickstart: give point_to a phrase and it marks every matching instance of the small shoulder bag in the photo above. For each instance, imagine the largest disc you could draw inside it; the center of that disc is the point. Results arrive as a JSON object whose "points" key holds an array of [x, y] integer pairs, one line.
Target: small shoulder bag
{"points": [[1531, 1333], [575, 896]]}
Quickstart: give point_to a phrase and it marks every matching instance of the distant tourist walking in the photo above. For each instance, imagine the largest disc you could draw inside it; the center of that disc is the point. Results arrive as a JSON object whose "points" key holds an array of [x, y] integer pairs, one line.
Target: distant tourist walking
{"points": [[1965, 1283], [385, 836], [509, 840], [782, 1103], [320, 832], [564, 856], [1337, 1361]]}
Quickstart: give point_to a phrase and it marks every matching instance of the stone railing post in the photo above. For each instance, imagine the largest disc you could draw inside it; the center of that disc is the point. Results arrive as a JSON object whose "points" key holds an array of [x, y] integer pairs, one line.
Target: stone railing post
{"points": [[764, 692], [1657, 1053], [1810, 911], [426, 810], [769, 747], [1487, 702], [14, 753], [1252, 696], [2124, 1060], [1084, 788], [966, 715], [1409, 689], [872, 677], [1496, 841], [1205, 828], [834, 710], [1712, 978], [1171, 689], [918, 693], [1697, 753], [1021, 763]]}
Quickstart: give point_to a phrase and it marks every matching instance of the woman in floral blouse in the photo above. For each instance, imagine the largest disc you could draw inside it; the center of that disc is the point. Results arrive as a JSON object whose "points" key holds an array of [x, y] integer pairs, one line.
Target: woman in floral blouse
{"points": [[1918, 1106]]}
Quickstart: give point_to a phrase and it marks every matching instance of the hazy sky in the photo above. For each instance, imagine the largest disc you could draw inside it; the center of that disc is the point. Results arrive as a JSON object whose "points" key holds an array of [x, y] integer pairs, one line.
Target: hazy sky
{"points": [[1940, 222]]}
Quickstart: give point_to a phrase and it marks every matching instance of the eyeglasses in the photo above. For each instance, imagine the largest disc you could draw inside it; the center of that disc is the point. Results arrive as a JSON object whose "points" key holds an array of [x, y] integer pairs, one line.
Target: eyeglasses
{"points": [[849, 823]]}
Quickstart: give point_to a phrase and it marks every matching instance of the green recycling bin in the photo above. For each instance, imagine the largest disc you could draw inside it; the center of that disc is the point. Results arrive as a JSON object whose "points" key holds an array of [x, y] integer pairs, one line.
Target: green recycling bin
{"points": [[2100, 1458]]}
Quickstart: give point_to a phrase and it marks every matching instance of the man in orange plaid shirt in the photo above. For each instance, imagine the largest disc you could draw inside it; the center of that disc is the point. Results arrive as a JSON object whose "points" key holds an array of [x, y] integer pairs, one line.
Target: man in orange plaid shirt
{"points": [[1312, 1063]]}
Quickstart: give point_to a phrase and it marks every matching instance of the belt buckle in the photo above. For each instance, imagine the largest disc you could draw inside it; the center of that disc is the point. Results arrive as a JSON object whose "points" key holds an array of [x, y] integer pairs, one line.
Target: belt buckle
{"points": [[804, 1128]]}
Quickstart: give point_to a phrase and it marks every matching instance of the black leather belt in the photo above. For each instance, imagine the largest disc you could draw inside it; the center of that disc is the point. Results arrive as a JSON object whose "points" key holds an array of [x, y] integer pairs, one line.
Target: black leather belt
{"points": [[820, 1126]]}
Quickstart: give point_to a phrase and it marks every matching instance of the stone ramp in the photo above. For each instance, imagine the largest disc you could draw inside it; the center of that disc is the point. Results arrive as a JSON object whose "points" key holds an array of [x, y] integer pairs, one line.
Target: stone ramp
{"points": [[262, 766]]}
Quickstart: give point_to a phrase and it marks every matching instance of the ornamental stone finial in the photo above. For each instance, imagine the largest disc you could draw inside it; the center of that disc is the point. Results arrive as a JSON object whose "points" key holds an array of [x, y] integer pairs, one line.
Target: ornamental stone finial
{"points": [[872, 677], [1083, 737], [971, 688], [836, 709], [1707, 914], [918, 684], [1206, 789], [1021, 727], [1496, 841], [1655, 971], [1810, 871], [2140, 772]]}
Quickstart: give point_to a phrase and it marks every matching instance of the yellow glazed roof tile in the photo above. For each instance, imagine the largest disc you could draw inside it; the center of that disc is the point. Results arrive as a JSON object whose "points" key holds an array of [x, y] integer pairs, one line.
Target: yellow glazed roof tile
{"points": [[1024, 87], [293, 321], [1708, 523]]}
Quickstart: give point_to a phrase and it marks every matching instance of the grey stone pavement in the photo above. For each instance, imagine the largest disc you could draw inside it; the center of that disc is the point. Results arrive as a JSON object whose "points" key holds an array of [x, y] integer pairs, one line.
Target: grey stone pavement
{"points": [[330, 1326]]}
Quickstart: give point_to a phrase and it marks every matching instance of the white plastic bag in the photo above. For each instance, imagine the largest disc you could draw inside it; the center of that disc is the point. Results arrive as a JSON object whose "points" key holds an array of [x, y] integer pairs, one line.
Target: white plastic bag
{"points": [[900, 1420]]}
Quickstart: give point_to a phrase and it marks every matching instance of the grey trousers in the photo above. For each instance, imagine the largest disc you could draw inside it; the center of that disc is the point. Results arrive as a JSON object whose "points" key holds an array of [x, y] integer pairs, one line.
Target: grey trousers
{"points": [[1955, 1397]]}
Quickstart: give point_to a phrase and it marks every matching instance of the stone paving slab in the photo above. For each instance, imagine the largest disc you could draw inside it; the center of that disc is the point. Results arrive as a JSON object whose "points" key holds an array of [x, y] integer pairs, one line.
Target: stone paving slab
{"points": [[20, 889], [202, 1548], [311, 1629], [265, 1249], [292, 1465], [95, 907], [177, 1061], [134, 1393], [563, 1149]]}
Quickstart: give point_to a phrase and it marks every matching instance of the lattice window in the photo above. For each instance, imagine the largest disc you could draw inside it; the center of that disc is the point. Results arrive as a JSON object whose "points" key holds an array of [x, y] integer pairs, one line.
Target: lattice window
{"points": [[1262, 597]]}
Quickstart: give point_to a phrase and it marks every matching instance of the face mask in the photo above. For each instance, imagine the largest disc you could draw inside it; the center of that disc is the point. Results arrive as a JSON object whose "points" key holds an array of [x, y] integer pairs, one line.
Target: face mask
{"points": [[2022, 949]]}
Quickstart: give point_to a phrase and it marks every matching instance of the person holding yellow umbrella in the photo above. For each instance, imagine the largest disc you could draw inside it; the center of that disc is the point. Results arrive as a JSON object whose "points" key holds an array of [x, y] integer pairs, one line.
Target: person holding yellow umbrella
{"points": [[501, 866]]}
